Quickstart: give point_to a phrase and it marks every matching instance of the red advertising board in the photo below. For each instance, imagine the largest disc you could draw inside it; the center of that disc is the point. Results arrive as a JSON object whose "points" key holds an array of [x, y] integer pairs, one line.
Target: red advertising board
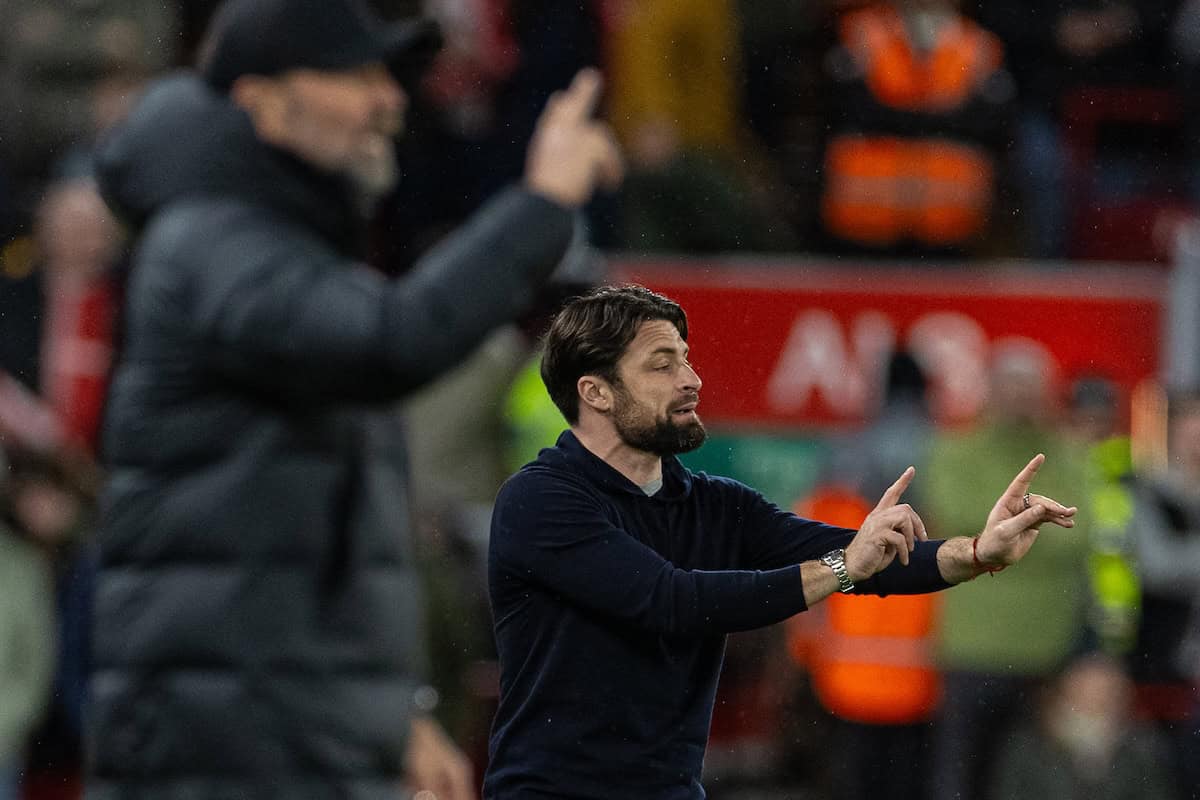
{"points": [[805, 343]]}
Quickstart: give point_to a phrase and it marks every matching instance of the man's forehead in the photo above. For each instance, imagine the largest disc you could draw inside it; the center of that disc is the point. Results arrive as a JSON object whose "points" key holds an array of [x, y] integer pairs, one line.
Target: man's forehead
{"points": [[656, 334]]}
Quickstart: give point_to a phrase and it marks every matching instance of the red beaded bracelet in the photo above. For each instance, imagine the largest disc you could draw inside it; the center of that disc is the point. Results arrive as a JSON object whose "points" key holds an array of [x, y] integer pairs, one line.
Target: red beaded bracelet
{"points": [[980, 568]]}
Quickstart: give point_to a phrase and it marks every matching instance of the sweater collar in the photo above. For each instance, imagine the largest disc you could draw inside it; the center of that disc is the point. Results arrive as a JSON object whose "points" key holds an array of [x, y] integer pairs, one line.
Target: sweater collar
{"points": [[677, 480]]}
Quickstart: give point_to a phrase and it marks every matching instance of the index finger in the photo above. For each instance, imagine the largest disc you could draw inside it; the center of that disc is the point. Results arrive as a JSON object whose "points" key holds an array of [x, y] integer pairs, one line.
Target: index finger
{"points": [[1020, 484], [892, 495], [579, 100]]}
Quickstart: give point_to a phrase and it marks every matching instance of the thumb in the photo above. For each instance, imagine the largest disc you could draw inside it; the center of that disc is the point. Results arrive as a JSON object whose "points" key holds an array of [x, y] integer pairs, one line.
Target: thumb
{"points": [[1029, 518]]}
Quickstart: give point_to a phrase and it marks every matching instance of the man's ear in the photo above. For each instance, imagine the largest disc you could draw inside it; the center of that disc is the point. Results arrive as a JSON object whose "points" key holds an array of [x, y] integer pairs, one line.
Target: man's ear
{"points": [[595, 393], [261, 98]]}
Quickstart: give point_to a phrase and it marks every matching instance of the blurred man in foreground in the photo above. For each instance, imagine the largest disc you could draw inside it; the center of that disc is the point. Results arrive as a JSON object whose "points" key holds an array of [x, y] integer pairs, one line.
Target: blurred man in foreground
{"points": [[257, 610], [615, 573]]}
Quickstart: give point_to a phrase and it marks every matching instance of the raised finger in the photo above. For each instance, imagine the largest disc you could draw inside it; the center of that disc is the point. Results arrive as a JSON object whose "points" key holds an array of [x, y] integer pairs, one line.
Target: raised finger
{"points": [[1020, 484], [892, 495], [580, 98]]}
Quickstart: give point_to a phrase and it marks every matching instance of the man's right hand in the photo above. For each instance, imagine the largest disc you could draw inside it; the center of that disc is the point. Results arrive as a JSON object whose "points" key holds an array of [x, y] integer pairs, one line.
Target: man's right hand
{"points": [[572, 153], [434, 767], [888, 532]]}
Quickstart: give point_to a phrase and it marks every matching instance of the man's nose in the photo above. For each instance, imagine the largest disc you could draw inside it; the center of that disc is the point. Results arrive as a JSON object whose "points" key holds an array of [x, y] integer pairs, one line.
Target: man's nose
{"points": [[691, 378]]}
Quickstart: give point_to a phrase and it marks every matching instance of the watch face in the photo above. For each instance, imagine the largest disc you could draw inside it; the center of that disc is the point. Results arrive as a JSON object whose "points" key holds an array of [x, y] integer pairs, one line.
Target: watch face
{"points": [[836, 561]]}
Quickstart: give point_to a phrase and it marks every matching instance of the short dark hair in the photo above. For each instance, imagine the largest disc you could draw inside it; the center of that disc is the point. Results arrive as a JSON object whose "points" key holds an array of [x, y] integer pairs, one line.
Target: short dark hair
{"points": [[590, 334]]}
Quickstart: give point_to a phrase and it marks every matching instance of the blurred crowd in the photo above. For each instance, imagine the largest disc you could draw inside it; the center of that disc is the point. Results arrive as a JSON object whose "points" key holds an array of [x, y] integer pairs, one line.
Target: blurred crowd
{"points": [[930, 127], [918, 128]]}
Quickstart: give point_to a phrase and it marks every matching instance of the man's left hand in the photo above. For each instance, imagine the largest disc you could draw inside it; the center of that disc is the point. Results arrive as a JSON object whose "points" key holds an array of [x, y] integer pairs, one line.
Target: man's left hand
{"points": [[1012, 527]]}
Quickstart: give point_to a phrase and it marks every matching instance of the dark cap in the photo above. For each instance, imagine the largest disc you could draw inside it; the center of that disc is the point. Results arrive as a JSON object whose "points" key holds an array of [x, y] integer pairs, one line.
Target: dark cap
{"points": [[266, 37]]}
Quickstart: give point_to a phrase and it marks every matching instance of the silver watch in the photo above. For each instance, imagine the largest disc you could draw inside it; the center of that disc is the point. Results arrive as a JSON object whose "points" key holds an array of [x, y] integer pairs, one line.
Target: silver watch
{"points": [[836, 561]]}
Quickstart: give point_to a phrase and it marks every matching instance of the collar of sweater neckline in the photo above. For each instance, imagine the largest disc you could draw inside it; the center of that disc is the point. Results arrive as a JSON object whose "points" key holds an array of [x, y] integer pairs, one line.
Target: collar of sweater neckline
{"points": [[677, 481]]}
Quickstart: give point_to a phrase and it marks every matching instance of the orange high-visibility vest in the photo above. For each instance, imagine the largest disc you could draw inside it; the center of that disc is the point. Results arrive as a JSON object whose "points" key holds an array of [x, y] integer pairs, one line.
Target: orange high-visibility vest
{"points": [[881, 189], [871, 660]]}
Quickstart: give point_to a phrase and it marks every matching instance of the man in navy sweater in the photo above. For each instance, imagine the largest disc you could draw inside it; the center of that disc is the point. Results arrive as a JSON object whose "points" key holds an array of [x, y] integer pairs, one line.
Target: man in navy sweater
{"points": [[615, 573]]}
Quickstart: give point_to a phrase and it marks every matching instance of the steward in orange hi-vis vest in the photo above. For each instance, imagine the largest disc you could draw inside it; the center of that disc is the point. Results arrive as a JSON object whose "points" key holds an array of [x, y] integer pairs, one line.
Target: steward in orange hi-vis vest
{"points": [[871, 659], [916, 130]]}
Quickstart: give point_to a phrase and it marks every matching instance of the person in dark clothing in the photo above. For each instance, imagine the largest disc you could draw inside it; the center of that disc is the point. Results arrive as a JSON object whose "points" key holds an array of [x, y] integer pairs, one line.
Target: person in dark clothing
{"points": [[1164, 660], [615, 573], [1055, 48], [256, 618]]}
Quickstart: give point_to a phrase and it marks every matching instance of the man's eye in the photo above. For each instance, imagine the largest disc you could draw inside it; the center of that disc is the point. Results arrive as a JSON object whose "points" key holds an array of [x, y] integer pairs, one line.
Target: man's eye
{"points": [[662, 368]]}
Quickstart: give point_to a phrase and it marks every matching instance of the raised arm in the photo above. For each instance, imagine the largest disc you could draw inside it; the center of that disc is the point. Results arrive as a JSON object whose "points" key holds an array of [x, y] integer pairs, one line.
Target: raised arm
{"points": [[284, 314]]}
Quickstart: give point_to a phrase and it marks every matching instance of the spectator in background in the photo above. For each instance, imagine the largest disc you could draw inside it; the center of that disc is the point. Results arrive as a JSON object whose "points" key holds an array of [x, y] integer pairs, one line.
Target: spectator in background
{"points": [[255, 541], [51, 512], [1055, 47], [64, 65], [918, 101], [782, 43], [81, 246], [1035, 612], [1083, 742], [1165, 662], [26, 628], [1094, 419], [57, 327], [901, 432], [871, 658], [676, 69], [57, 322], [1185, 44]]}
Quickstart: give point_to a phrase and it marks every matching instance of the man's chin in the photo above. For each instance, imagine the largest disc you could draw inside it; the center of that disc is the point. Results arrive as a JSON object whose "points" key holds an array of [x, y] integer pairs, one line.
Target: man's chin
{"points": [[674, 439], [692, 436]]}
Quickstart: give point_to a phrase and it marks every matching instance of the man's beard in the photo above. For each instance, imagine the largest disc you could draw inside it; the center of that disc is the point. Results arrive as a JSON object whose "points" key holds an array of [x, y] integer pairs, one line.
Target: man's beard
{"points": [[662, 437]]}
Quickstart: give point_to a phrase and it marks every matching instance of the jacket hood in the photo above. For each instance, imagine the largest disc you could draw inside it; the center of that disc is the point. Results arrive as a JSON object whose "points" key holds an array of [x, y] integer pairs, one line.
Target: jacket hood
{"points": [[185, 139]]}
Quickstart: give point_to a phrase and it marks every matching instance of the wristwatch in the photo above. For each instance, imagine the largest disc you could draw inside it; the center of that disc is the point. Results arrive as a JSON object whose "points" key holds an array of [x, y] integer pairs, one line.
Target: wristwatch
{"points": [[836, 561]]}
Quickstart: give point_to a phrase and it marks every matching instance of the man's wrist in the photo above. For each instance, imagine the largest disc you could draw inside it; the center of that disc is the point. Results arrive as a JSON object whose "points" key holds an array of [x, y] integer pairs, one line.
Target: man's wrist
{"points": [[955, 560], [836, 561], [980, 565]]}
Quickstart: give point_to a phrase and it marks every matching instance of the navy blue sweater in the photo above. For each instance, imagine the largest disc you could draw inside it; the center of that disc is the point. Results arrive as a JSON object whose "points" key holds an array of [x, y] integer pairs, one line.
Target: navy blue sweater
{"points": [[611, 610]]}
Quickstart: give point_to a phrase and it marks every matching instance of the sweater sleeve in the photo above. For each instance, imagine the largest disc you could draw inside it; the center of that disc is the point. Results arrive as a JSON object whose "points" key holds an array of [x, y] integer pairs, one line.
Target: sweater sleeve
{"points": [[281, 313], [553, 533], [774, 537]]}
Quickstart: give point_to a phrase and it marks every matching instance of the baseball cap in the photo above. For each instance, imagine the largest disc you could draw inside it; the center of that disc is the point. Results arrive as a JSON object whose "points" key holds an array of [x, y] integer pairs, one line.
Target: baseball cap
{"points": [[267, 37]]}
